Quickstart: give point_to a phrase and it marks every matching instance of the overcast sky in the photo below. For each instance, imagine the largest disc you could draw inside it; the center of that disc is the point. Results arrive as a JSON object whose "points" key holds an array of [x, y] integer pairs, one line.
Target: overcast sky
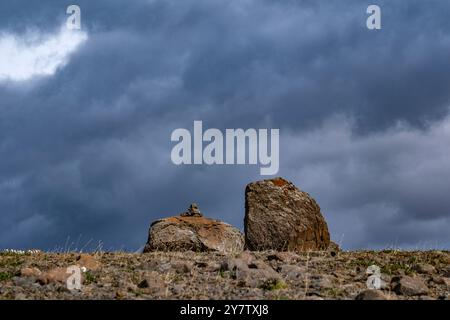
{"points": [[86, 116]]}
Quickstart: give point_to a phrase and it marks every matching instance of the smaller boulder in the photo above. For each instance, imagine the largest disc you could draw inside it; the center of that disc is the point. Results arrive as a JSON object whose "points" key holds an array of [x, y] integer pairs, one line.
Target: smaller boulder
{"points": [[192, 231], [409, 286], [30, 272], [424, 268], [251, 272], [55, 275], [90, 262], [292, 272]]}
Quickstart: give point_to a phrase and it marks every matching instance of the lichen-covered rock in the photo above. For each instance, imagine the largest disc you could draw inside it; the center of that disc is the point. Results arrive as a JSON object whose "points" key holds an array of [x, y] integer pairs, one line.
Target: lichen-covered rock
{"points": [[424, 268], [193, 232], [252, 272], [371, 294], [278, 216], [409, 286], [88, 261]]}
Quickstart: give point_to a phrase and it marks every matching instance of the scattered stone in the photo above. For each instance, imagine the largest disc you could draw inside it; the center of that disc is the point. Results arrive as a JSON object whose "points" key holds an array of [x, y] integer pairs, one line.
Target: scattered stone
{"points": [[321, 282], [194, 233], [278, 216], [130, 286], [214, 267], [424, 268], [446, 271], [177, 289], [32, 275], [163, 267], [292, 272], [333, 248], [193, 211], [182, 267], [438, 280], [251, 272], [153, 283], [409, 286], [88, 261], [30, 272], [426, 298], [447, 282], [247, 256], [25, 281], [54, 275], [20, 296], [371, 295], [314, 297], [385, 281], [256, 278], [201, 264], [120, 295]]}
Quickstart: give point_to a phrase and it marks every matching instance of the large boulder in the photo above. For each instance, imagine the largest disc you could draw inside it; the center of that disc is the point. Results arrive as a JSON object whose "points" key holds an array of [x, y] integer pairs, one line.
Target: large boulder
{"points": [[278, 216], [192, 231]]}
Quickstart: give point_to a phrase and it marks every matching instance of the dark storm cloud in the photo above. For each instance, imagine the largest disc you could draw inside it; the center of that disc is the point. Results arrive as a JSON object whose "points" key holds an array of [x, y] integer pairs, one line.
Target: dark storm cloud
{"points": [[379, 190], [87, 151]]}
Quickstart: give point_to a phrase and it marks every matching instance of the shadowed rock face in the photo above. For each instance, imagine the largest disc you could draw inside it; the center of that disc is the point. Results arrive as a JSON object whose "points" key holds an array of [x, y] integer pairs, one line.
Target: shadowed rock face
{"points": [[278, 216], [193, 232]]}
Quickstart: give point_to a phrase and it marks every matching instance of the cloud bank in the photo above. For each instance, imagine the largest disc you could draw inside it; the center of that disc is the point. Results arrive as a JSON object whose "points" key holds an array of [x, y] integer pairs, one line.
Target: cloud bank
{"points": [[34, 54], [363, 116]]}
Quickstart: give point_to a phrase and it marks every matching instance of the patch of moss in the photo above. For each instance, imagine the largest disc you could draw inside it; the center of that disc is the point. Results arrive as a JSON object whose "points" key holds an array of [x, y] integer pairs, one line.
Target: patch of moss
{"points": [[273, 284], [335, 292], [362, 262], [89, 278], [11, 261], [394, 268], [177, 278], [5, 276]]}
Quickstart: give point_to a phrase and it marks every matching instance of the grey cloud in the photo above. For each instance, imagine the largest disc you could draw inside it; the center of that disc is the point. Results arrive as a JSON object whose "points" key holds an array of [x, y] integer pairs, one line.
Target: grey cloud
{"points": [[380, 189], [87, 151]]}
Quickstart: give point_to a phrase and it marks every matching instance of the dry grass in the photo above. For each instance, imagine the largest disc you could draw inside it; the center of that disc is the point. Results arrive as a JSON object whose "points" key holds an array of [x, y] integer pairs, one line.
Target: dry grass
{"points": [[203, 278]]}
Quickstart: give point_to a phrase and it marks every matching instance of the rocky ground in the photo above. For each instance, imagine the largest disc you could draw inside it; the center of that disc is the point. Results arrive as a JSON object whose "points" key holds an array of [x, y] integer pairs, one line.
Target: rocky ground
{"points": [[249, 275]]}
